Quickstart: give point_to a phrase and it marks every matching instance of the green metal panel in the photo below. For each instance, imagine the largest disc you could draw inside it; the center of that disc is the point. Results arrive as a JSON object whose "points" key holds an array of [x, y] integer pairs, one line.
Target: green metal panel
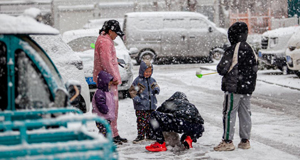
{"points": [[55, 142], [14, 43]]}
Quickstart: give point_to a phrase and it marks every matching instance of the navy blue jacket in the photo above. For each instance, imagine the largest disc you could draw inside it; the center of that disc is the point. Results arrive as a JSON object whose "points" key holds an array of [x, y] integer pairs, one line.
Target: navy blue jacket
{"points": [[143, 90]]}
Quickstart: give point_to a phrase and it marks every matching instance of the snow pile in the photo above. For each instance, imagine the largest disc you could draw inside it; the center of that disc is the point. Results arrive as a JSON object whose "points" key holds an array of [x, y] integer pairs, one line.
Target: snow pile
{"points": [[23, 25], [32, 12]]}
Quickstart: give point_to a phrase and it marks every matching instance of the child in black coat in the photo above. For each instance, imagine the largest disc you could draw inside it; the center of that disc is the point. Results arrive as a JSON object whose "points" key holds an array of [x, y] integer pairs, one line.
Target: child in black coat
{"points": [[178, 115]]}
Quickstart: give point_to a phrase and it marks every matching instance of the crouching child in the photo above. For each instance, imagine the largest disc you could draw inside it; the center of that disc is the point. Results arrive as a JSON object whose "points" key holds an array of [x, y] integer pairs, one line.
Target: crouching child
{"points": [[178, 115]]}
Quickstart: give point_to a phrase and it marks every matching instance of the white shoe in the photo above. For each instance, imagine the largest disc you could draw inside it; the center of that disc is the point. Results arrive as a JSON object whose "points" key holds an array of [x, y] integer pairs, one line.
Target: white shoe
{"points": [[223, 146], [245, 145]]}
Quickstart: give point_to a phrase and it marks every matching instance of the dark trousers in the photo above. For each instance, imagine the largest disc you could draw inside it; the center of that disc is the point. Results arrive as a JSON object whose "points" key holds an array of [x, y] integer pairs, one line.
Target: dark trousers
{"points": [[101, 127], [165, 122], [142, 120]]}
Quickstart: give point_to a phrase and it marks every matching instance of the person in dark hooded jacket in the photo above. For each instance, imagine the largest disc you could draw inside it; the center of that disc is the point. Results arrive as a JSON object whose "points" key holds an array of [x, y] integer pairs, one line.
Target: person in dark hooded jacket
{"points": [[143, 91], [103, 100], [238, 67], [178, 115]]}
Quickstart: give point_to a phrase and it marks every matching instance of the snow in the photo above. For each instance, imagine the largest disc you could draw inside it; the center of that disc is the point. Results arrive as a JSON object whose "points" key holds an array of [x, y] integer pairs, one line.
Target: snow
{"points": [[32, 12], [275, 109], [281, 31], [274, 131], [23, 25]]}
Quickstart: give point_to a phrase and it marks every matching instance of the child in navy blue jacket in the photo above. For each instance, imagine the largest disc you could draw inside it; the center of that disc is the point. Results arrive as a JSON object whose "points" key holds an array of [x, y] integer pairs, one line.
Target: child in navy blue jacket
{"points": [[143, 91]]}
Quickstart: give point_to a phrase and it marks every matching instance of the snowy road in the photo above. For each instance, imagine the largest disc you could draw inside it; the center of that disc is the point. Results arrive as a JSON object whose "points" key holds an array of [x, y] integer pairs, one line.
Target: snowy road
{"points": [[275, 115]]}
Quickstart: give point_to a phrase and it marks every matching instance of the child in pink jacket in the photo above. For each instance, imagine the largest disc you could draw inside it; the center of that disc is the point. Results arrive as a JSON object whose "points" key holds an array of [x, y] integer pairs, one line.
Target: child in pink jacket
{"points": [[103, 100]]}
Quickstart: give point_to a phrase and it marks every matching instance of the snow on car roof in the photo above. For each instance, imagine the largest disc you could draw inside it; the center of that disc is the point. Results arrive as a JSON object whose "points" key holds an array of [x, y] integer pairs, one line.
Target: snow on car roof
{"points": [[281, 31], [23, 25], [174, 14], [68, 36], [74, 34]]}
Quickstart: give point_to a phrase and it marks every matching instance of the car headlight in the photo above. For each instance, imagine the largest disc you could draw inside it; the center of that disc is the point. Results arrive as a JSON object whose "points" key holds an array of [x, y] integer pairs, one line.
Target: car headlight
{"points": [[292, 48]]}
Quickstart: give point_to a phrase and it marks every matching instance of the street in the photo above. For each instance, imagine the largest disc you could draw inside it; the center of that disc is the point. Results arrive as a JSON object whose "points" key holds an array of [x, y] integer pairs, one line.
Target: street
{"points": [[275, 115]]}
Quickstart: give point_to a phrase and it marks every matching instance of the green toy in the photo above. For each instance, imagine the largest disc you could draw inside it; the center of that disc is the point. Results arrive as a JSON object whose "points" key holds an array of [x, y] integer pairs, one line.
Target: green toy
{"points": [[199, 75], [92, 45]]}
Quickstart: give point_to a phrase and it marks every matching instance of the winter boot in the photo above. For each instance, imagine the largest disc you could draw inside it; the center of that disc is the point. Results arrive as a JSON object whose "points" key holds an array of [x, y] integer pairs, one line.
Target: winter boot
{"points": [[117, 141], [188, 142], [124, 140], [150, 138], [138, 139], [225, 146], [244, 144], [156, 147]]}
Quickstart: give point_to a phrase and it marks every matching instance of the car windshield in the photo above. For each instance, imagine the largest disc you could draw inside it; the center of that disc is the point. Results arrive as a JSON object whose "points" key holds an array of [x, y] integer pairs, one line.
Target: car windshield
{"points": [[52, 43]]}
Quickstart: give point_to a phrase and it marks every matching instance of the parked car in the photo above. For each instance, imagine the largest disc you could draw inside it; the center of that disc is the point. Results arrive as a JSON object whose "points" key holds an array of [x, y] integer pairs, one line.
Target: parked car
{"points": [[273, 47], [28, 77], [293, 53], [163, 35], [80, 41], [68, 64]]}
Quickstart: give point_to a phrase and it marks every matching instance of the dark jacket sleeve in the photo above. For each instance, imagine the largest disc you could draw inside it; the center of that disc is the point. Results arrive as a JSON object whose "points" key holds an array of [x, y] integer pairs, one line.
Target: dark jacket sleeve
{"points": [[100, 99], [225, 63]]}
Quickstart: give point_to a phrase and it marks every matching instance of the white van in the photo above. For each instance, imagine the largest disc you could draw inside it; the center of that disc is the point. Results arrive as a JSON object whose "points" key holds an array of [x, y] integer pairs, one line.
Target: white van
{"points": [[293, 53], [160, 35], [273, 47]]}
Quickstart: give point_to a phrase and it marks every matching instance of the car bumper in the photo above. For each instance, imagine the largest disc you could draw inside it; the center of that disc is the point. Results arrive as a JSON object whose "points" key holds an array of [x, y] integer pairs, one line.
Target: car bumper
{"points": [[125, 85], [277, 60]]}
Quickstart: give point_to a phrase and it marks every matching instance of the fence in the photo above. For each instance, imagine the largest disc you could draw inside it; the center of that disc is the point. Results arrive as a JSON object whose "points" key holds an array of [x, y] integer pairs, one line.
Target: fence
{"points": [[259, 23]]}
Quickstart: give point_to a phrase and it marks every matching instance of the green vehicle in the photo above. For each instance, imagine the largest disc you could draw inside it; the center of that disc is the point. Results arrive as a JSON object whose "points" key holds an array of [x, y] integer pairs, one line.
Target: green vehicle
{"points": [[34, 102]]}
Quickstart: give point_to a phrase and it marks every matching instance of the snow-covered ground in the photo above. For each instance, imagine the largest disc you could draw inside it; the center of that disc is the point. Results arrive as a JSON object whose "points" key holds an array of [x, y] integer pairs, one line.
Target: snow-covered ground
{"points": [[275, 115]]}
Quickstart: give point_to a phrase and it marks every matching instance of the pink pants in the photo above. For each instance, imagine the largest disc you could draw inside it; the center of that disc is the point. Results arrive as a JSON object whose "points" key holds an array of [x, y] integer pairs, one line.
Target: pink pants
{"points": [[114, 89]]}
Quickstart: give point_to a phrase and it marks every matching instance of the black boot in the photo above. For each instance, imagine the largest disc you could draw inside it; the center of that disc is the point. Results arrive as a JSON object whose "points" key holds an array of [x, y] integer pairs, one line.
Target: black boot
{"points": [[124, 140], [117, 141], [138, 139]]}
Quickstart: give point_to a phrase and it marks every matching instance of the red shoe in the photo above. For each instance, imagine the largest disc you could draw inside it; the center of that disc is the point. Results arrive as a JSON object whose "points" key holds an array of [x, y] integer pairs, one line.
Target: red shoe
{"points": [[156, 147], [188, 142]]}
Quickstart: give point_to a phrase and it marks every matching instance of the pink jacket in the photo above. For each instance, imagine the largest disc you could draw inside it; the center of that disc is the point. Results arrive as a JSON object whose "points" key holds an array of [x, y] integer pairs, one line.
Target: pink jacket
{"points": [[111, 106], [105, 58]]}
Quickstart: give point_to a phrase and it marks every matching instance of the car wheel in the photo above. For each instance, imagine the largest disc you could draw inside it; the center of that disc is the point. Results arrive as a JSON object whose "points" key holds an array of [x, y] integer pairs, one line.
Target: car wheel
{"points": [[285, 70], [123, 94], [81, 104], [297, 73], [216, 54], [147, 55]]}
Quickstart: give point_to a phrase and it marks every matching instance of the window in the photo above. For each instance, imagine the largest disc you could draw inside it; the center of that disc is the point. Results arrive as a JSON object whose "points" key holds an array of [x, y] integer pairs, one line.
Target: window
{"points": [[82, 43], [198, 24], [174, 23], [149, 24], [31, 89], [3, 76]]}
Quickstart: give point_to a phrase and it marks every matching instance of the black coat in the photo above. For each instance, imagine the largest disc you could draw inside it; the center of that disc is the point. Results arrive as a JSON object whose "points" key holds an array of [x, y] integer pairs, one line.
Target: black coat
{"points": [[179, 106], [242, 78]]}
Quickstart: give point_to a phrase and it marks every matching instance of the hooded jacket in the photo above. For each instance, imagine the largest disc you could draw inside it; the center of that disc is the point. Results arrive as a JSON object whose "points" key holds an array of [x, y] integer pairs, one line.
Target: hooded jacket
{"points": [[143, 90], [241, 79], [179, 106], [103, 100], [105, 58]]}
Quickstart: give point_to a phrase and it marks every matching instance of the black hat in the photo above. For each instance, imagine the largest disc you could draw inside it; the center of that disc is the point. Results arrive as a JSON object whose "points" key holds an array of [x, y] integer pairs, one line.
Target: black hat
{"points": [[114, 26]]}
